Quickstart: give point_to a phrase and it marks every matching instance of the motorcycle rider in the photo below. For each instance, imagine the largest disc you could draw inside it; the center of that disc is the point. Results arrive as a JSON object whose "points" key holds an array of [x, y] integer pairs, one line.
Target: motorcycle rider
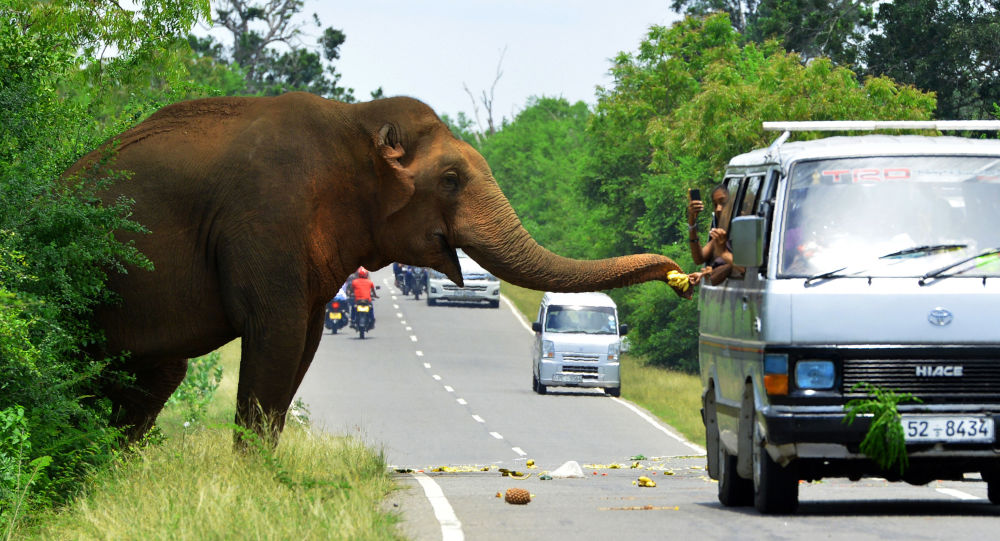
{"points": [[364, 290]]}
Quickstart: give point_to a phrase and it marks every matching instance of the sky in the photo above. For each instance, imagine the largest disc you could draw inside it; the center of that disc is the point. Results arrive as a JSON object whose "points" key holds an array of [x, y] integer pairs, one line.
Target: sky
{"points": [[431, 49]]}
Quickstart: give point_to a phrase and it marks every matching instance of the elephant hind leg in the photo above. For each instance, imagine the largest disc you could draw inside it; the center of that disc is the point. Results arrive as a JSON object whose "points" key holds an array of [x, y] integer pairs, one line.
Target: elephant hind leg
{"points": [[136, 404]]}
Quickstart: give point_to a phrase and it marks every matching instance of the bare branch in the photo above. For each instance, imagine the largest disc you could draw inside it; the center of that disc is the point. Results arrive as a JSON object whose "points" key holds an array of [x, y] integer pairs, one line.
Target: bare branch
{"points": [[475, 112]]}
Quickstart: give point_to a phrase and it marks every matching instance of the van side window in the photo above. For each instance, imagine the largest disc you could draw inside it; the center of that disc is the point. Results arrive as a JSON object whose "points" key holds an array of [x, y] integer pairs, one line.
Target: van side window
{"points": [[733, 186], [749, 202], [745, 192], [765, 209]]}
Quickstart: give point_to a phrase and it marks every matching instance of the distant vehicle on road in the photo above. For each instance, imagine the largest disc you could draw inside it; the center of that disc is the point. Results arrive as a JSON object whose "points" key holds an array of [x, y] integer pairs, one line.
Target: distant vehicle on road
{"points": [[869, 259], [480, 286], [577, 343]]}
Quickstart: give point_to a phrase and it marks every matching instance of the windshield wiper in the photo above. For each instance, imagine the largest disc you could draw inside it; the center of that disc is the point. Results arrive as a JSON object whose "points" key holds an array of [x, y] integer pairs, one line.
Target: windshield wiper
{"points": [[825, 275], [926, 249], [938, 272]]}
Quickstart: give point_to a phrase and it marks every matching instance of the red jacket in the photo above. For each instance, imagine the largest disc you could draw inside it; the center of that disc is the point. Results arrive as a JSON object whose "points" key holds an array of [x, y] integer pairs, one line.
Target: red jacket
{"points": [[364, 289]]}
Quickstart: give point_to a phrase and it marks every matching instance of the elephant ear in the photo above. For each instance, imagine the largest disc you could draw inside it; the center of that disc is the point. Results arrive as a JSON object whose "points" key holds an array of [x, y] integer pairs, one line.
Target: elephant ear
{"points": [[395, 182]]}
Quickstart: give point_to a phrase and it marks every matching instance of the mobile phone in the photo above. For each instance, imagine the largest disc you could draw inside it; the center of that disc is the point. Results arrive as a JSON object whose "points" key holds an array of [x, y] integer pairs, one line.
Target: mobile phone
{"points": [[695, 194]]}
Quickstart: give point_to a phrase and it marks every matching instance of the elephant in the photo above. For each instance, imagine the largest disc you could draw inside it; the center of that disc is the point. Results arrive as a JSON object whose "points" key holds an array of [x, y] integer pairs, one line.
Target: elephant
{"points": [[258, 209]]}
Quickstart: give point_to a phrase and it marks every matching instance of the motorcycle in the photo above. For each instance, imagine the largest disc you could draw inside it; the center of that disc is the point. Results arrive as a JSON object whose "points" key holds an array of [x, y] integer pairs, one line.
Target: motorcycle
{"points": [[401, 281], [363, 317], [338, 315], [416, 281]]}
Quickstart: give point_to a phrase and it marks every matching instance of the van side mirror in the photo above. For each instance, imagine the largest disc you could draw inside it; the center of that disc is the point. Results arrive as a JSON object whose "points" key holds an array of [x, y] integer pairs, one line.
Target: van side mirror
{"points": [[536, 326], [622, 329], [747, 237]]}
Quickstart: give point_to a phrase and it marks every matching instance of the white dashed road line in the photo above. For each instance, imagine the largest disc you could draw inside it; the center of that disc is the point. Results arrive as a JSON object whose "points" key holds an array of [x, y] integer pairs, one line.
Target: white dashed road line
{"points": [[519, 451], [449, 388], [496, 435], [461, 402], [478, 419], [957, 494]]}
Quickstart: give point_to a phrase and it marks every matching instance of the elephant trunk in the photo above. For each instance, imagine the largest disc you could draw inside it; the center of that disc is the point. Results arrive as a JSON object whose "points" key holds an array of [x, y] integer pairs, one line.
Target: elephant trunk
{"points": [[491, 233]]}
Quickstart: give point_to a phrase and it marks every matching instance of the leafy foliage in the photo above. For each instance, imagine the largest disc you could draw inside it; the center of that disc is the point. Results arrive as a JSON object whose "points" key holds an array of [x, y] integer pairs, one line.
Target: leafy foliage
{"points": [[537, 161], [950, 47], [56, 242], [885, 442], [197, 390], [813, 28], [256, 27]]}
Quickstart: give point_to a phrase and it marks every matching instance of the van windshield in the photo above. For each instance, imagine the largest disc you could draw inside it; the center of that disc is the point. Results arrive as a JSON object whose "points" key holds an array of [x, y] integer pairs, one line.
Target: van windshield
{"points": [[892, 216], [581, 319]]}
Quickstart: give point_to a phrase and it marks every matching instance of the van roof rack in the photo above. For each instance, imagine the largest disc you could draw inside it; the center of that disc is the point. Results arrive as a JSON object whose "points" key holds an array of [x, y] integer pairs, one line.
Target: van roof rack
{"points": [[874, 125]]}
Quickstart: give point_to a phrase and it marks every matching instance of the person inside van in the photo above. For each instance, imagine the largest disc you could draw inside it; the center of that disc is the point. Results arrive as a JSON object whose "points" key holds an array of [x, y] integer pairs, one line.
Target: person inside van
{"points": [[716, 255]]}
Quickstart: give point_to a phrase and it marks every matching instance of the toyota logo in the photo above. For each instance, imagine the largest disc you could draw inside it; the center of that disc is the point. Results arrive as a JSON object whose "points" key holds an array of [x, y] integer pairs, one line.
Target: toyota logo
{"points": [[940, 317]]}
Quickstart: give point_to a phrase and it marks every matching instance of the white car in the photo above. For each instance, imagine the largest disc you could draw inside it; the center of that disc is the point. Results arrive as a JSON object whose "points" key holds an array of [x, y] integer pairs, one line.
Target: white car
{"points": [[480, 285]]}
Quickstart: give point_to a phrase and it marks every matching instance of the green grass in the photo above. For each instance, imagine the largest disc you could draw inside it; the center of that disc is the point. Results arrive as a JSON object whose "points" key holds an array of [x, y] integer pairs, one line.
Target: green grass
{"points": [[194, 486], [673, 396]]}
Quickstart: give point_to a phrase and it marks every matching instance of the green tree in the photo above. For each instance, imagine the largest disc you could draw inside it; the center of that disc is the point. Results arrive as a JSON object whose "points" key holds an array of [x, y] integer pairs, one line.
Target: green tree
{"points": [[462, 127], [56, 242], [537, 160], [814, 28], [690, 99], [257, 27], [833, 29], [950, 47]]}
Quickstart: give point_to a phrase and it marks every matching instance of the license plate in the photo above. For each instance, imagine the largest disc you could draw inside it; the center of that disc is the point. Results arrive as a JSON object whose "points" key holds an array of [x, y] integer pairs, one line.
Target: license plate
{"points": [[947, 428], [567, 378], [335, 315], [465, 293], [364, 308]]}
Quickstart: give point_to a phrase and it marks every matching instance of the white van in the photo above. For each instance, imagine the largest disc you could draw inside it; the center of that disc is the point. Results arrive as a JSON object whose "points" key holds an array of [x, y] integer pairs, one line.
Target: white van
{"points": [[577, 343], [870, 258]]}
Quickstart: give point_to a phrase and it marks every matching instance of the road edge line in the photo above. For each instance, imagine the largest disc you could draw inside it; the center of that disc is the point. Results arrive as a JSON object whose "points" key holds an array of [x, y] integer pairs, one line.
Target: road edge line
{"points": [[517, 314], [451, 527], [659, 426]]}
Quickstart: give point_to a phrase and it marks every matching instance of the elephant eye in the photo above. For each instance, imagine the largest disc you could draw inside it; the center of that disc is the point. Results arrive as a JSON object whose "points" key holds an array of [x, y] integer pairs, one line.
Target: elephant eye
{"points": [[451, 180]]}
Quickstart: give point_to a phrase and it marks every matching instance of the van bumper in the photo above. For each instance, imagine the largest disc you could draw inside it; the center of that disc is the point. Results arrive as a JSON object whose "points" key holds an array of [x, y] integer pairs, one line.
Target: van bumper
{"points": [[554, 374], [829, 436]]}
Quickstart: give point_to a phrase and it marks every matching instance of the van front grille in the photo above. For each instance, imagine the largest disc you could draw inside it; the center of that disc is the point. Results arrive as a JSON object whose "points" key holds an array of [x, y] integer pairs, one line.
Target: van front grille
{"points": [[932, 380], [581, 357], [579, 369]]}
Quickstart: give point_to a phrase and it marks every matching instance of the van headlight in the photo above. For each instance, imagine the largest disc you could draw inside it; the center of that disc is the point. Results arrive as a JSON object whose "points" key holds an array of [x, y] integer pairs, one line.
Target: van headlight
{"points": [[815, 375], [548, 349], [613, 349]]}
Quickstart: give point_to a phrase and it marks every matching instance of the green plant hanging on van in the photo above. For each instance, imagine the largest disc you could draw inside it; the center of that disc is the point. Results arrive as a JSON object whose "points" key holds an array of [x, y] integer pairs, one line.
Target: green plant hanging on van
{"points": [[885, 442]]}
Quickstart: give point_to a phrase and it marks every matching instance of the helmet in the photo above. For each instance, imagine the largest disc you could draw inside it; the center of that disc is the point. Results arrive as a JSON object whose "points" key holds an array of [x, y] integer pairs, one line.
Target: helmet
{"points": [[362, 272]]}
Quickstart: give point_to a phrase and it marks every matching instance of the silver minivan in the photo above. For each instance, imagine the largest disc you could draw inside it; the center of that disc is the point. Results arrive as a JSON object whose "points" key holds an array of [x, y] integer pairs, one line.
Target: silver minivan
{"points": [[869, 258], [577, 343]]}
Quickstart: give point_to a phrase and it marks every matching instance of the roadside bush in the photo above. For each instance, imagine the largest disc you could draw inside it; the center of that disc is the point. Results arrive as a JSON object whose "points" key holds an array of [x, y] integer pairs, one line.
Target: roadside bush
{"points": [[196, 392], [56, 236]]}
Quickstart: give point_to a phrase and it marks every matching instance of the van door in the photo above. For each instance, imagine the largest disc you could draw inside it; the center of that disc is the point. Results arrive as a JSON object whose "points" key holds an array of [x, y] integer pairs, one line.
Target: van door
{"points": [[715, 335], [732, 314]]}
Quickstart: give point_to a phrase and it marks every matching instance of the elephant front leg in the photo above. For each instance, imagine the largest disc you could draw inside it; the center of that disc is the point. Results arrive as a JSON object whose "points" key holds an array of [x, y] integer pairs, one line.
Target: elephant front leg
{"points": [[270, 371]]}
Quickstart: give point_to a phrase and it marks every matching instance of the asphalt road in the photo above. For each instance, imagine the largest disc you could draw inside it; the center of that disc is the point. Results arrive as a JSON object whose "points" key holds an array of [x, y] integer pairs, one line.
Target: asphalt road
{"points": [[449, 387]]}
